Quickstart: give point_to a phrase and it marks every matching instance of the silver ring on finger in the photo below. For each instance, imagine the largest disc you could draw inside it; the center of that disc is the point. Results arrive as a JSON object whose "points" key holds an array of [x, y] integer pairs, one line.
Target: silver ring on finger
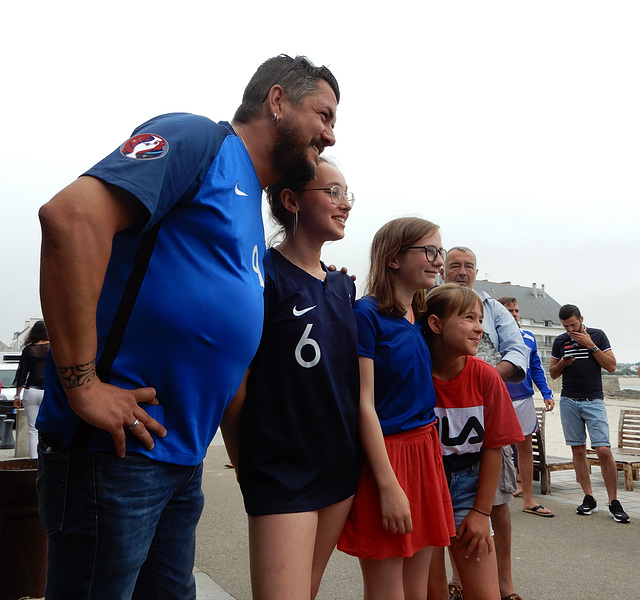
{"points": [[133, 425]]}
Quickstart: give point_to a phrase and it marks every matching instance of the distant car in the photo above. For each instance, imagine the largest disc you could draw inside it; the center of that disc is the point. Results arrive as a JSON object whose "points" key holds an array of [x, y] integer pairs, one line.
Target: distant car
{"points": [[8, 371]]}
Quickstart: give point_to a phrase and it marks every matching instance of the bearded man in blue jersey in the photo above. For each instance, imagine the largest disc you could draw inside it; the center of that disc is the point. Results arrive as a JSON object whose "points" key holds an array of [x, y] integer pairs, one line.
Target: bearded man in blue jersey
{"points": [[151, 286]]}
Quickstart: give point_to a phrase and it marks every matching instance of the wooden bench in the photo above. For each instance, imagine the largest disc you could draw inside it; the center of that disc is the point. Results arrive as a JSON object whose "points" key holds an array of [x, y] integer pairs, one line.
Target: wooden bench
{"points": [[627, 454], [543, 464]]}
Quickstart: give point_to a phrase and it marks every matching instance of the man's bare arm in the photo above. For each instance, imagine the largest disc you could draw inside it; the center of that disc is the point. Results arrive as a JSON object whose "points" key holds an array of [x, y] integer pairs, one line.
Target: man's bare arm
{"points": [[606, 360], [557, 366], [78, 226], [508, 371]]}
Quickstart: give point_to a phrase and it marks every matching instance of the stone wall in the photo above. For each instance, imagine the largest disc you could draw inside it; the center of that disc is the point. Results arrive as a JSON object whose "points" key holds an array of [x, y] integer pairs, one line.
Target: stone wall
{"points": [[610, 385]]}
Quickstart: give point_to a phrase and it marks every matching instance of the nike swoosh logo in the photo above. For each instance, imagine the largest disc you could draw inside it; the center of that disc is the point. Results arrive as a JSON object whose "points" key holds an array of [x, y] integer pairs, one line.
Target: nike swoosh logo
{"points": [[239, 192], [299, 313]]}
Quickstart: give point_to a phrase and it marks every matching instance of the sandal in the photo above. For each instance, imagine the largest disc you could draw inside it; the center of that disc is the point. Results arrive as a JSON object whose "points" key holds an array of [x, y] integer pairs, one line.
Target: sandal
{"points": [[511, 597], [455, 592]]}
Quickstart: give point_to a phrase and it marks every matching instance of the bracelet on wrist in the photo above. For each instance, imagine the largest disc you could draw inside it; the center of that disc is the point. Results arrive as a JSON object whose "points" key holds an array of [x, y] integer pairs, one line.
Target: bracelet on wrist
{"points": [[479, 511]]}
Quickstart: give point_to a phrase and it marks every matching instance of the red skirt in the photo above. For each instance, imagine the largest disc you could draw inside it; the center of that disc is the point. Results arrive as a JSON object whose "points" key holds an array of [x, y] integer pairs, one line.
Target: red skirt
{"points": [[416, 459]]}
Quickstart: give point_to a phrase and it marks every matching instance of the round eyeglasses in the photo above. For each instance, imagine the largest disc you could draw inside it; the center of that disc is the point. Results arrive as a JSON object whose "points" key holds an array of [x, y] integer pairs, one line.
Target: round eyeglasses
{"points": [[431, 252], [337, 194]]}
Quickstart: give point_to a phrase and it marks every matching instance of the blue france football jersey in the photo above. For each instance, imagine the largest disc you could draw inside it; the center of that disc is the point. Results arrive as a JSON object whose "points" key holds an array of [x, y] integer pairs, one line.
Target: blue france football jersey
{"points": [[181, 308]]}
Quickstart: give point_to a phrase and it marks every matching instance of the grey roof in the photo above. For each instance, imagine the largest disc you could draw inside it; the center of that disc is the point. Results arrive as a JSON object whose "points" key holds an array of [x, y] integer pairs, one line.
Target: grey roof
{"points": [[534, 303]]}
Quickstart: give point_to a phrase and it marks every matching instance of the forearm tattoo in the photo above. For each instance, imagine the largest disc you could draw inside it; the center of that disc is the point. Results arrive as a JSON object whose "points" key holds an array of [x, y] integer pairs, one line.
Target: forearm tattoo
{"points": [[74, 377]]}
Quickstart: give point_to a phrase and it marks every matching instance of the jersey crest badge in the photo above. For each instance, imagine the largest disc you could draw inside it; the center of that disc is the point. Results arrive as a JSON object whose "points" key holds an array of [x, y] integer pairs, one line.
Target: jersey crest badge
{"points": [[145, 146]]}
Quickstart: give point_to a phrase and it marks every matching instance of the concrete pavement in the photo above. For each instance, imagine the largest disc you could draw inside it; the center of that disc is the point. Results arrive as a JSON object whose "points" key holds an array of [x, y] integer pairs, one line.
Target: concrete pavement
{"points": [[567, 557]]}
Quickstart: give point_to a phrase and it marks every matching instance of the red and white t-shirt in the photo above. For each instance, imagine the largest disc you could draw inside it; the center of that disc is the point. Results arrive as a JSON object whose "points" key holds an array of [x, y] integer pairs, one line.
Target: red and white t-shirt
{"points": [[474, 410]]}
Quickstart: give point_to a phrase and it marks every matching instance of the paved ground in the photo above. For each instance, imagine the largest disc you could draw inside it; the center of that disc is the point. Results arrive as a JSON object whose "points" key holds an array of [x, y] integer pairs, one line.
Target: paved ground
{"points": [[567, 557]]}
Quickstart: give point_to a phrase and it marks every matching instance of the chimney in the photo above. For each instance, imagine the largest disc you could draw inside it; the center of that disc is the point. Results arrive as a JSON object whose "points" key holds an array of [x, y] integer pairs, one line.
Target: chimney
{"points": [[543, 294], [535, 290]]}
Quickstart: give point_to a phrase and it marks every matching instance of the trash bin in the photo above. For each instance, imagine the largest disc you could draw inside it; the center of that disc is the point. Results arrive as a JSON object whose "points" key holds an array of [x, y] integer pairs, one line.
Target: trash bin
{"points": [[23, 539]]}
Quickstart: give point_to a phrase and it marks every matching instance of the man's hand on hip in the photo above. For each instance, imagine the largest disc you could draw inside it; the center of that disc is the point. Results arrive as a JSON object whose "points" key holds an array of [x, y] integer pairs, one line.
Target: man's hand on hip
{"points": [[115, 410]]}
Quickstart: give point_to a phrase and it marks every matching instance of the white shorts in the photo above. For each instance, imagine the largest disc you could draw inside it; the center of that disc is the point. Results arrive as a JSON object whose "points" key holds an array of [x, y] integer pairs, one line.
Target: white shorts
{"points": [[526, 412]]}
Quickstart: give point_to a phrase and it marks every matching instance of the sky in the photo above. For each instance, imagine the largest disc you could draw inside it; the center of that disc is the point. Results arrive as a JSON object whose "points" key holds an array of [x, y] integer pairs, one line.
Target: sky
{"points": [[514, 126]]}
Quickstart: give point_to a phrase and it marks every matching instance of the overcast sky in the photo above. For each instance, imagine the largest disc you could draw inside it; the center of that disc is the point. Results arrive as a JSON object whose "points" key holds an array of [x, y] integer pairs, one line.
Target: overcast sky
{"points": [[515, 126]]}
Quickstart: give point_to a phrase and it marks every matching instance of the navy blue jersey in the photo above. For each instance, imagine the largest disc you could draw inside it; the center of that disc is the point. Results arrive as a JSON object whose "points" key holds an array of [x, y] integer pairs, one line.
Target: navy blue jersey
{"points": [[583, 377], [298, 448], [182, 302]]}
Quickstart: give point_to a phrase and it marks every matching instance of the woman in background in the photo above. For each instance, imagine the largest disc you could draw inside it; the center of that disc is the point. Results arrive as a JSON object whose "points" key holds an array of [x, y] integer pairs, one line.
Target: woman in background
{"points": [[30, 377]]}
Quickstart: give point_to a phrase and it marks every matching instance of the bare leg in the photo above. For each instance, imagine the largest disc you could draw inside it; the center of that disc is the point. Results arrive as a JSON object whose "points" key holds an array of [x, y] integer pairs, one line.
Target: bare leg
{"points": [[581, 468], [397, 578], [501, 523], [455, 576], [382, 578], [479, 578], [438, 588], [609, 471], [415, 574], [330, 523], [525, 465], [289, 552], [518, 491]]}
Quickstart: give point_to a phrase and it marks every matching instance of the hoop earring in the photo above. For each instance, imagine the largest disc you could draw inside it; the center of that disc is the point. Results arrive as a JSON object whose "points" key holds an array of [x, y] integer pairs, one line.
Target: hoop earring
{"points": [[295, 224]]}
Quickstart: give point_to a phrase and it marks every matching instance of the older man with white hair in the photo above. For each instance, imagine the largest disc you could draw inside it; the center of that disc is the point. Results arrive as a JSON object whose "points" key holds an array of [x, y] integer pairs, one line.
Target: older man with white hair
{"points": [[501, 346]]}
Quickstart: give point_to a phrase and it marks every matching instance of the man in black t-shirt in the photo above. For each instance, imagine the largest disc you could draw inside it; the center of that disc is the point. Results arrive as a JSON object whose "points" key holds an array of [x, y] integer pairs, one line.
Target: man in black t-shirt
{"points": [[579, 355]]}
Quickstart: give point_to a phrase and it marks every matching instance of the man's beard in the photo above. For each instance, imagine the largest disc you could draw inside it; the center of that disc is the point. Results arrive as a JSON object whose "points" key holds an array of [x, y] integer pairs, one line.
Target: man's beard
{"points": [[290, 156]]}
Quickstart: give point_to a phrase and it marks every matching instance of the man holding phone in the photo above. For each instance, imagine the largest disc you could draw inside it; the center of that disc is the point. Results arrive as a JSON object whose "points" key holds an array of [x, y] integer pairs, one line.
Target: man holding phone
{"points": [[579, 355]]}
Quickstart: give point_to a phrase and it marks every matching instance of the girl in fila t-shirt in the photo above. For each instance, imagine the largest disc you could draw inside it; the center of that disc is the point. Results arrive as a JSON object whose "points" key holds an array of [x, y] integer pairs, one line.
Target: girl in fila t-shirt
{"points": [[475, 420]]}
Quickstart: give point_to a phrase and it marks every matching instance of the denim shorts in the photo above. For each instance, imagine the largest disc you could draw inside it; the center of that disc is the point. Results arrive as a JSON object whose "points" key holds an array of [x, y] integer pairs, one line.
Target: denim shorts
{"points": [[463, 487], [579, 415]]}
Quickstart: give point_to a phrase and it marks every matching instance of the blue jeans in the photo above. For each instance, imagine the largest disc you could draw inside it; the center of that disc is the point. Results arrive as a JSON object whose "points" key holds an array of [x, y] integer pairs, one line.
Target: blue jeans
{"points": [[118, 528]]}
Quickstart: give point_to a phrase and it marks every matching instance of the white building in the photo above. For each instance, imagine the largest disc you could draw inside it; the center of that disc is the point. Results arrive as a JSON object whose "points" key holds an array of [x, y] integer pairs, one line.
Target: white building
{"points": [[19, 337], [538, 312]]}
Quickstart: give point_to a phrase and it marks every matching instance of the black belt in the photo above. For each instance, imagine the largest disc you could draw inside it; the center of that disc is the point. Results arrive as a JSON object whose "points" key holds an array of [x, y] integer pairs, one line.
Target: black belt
{"points": [[581, 399]]}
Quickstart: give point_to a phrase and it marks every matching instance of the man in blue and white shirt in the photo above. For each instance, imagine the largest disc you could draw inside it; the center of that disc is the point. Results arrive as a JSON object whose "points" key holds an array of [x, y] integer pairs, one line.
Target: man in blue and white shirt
{"points": [[152, 291], [522, 397]]}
